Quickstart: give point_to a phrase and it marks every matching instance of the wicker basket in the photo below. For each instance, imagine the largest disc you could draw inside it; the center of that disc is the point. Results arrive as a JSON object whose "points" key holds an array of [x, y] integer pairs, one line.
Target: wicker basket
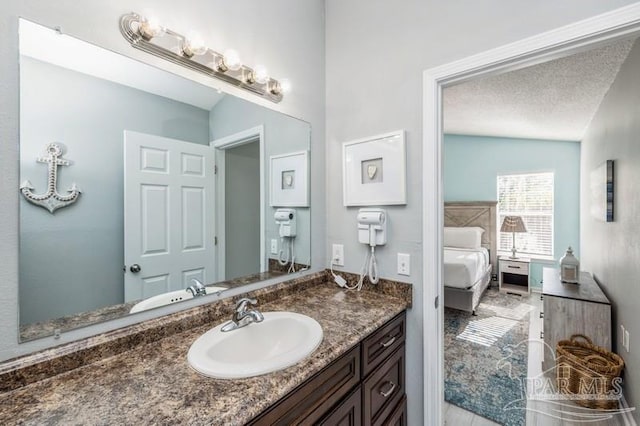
{"points": [[586, 372]]}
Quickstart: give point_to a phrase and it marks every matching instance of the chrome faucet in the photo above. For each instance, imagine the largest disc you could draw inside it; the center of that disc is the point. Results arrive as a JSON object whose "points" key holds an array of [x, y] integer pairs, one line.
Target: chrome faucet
{"points": [[243, 317], [197, 289]]}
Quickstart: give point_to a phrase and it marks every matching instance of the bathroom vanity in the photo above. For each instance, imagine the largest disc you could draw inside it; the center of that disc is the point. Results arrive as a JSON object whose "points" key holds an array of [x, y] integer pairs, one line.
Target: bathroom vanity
{"points": [[140, 374], [364, 386]]}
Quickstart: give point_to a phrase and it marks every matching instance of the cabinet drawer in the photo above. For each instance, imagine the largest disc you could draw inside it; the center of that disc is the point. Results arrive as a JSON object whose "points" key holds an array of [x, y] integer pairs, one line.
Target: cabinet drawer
{"points": [[310, 401], [399, 415], [383, 389], [511, 267], [382, 343], [347, 413]]}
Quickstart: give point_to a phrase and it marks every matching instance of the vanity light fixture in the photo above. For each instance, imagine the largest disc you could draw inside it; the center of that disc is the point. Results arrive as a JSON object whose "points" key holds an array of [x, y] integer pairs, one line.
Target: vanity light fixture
{"points": [[193, 45], [285, 85], [260, 74], [229, 61], [149, 36], [150, 28]]}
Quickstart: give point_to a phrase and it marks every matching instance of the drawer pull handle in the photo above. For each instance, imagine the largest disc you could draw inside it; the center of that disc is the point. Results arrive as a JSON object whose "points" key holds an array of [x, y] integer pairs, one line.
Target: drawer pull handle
{"points": [[513, 267], [388, 342], [389, 391], [541, 314]]}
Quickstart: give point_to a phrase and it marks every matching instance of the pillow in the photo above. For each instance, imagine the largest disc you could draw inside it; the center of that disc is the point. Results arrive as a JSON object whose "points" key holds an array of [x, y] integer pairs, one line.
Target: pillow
{"points": [[467, 237]]}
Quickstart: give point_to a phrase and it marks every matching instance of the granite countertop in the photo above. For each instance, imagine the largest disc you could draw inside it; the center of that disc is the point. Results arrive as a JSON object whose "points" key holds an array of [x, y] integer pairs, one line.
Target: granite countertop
{"points": [[153, 383]]}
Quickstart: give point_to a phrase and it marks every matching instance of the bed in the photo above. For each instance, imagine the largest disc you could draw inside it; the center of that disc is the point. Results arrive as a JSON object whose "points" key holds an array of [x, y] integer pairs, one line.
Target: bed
{"points": [[469, 252]]}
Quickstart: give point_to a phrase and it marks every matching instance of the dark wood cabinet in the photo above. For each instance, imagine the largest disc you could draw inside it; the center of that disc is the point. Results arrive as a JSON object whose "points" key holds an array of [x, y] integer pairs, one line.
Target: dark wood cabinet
{"points": [[347, 413], [365, 386], [310, 401], [383, 389], [382, 343], [399, 415]]}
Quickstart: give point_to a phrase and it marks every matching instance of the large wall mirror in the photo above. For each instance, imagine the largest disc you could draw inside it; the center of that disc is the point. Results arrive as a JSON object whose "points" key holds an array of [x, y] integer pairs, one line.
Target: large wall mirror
{"points": [[180, 184]]}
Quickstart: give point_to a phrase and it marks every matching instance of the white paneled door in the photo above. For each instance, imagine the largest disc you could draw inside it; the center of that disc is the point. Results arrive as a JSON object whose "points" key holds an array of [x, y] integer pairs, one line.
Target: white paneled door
{"points": [[168, 214]]}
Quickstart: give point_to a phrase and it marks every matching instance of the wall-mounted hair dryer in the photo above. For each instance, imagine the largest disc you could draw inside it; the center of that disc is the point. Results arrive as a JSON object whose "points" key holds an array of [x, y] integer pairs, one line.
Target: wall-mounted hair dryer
{"points": [[286, 221], [372, 230], [372, 227]]}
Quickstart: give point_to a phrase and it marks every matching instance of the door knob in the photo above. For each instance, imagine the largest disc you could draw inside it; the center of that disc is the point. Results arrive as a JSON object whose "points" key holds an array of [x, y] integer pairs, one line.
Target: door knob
{"points": [[135, 268]]}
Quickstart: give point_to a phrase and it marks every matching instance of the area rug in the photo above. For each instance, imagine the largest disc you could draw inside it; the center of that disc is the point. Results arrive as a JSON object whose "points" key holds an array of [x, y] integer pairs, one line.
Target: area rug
{"points": [[486, 357]]}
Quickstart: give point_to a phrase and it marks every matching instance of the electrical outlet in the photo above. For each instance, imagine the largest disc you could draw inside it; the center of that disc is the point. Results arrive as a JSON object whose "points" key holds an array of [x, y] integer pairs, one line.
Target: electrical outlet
{"points": [[404, 264], [274, 246], [337, 256], [626, 340]]}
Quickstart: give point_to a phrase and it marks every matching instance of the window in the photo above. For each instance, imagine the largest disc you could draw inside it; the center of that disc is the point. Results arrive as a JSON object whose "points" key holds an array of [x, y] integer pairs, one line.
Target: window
{"points": [[531, 197]]}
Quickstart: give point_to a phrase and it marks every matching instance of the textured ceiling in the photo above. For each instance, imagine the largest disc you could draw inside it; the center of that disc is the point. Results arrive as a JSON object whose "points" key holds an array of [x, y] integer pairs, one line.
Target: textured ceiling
{"points": [[553, 100]]}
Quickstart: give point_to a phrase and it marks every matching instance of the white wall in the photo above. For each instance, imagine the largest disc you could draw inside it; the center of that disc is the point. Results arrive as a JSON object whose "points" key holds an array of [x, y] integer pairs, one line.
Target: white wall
{"points": [[286, 35], [376, 52], [611, 251]]}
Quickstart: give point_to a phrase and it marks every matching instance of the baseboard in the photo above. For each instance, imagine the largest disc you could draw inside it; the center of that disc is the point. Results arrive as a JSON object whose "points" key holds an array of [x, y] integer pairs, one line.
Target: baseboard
{"points": [[627, 416]]}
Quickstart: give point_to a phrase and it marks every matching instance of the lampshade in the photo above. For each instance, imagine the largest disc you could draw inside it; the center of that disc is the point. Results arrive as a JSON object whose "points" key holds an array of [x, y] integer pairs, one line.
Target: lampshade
{"points": [[513, 224]]}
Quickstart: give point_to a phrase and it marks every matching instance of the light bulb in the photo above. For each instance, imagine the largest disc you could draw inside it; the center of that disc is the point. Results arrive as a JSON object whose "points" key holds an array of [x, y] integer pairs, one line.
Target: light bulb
{"points": [[261, 74], [231, 60], [285, 85], [150, 28], [193, 45]]}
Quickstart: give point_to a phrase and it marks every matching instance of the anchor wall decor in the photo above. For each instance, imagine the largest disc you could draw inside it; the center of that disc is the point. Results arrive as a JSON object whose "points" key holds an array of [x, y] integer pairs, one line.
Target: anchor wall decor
{"points": [[51, 200]]}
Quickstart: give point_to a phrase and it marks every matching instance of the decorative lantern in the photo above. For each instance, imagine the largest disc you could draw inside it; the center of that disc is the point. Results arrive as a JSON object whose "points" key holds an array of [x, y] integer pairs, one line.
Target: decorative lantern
{"points": [[569, 267]]}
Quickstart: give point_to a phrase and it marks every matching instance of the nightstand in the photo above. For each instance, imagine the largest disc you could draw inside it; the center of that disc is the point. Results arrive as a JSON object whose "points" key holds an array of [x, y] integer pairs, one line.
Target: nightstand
{"points": [[513, 274]]}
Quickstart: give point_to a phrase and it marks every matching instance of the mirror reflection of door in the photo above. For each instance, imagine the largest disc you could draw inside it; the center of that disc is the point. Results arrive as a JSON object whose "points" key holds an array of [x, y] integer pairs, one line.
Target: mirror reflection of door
{"points": [[242, 210], [169, 215]]}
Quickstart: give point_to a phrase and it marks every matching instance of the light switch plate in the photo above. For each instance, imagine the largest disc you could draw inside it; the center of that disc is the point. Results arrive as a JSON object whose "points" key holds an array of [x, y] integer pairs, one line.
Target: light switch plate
{"points": [[404, 264], [274, 246], [626, 340]]}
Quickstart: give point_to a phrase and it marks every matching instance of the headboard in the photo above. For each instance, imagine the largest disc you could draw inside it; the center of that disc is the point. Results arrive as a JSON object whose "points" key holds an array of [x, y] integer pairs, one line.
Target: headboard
{"points": [[476, 213]]}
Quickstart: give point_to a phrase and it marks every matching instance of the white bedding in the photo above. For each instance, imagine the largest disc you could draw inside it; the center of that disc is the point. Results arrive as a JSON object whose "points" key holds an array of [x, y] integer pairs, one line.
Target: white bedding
{"points": [[464, 267]]}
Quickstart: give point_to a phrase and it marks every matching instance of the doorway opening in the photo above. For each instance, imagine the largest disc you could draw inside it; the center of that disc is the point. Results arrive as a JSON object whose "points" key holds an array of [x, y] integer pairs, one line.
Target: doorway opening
{"points": [[240, 207], [575, 38], [242, 210]]}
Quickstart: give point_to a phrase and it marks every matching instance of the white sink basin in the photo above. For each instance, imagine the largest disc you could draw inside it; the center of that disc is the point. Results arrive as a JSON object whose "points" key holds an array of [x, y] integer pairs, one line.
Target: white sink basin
{"points": [[278, 342], [169, 298]]}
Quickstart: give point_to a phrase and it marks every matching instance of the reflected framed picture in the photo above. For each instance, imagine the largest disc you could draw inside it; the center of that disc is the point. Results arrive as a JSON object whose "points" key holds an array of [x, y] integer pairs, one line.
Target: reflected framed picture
{"points": [[289, 179], [374, 170], [602, 192]]}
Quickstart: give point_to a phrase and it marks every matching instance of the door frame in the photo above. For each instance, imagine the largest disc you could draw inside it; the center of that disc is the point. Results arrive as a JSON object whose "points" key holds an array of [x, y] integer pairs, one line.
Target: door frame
{"points": [[567, 40], [244, 137]]}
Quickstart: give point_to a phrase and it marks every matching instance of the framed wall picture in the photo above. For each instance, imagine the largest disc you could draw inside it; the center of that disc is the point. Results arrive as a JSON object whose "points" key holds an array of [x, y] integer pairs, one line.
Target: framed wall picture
{"points": [[289, 179], [374, 170], [602, 183]]}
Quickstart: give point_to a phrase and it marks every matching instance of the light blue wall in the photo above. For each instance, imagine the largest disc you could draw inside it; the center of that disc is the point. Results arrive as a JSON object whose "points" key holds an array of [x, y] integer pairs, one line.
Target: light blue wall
{"points": [[472, 164], [242, 210]]}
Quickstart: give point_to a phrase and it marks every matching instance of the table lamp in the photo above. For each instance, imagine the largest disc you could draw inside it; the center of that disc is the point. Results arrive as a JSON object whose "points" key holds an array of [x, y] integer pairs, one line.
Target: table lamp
{"points": [[513, 224]]}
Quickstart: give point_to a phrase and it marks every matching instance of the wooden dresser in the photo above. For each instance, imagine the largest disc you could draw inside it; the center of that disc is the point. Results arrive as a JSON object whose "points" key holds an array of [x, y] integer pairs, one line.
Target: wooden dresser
{"points": [[573, 309]]}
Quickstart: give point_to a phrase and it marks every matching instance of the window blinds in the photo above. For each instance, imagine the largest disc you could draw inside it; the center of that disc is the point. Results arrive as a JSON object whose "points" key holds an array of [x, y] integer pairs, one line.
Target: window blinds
{"points": [[530, 196]]}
